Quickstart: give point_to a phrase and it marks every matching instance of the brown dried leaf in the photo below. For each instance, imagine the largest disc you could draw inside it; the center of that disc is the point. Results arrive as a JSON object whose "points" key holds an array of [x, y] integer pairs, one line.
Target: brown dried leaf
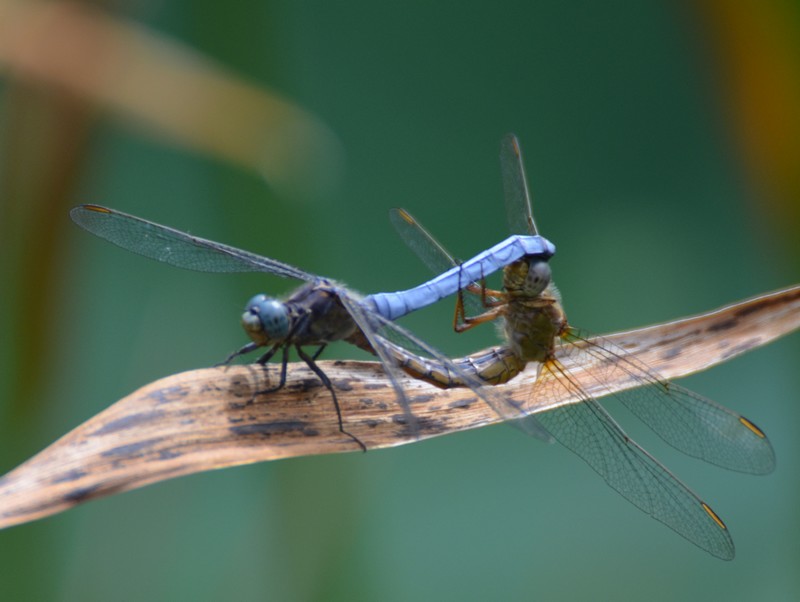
{"points": [[215, 417]]}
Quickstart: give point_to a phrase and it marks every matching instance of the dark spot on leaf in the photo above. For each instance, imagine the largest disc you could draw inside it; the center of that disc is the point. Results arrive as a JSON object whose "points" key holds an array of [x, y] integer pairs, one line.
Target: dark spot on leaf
{"points": [[133, 450], [422, 425], [81, 494], [343, 384], [665, 342], [724, 325], [765, 304], [72, 475], [461, 404], [169, 394], [267, 429], [304, 385], [131, 421], [370, 386]]}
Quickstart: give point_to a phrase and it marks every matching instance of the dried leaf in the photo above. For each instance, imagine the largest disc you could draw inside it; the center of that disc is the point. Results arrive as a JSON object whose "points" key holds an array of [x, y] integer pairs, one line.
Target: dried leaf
{"points": [[215, 417]]}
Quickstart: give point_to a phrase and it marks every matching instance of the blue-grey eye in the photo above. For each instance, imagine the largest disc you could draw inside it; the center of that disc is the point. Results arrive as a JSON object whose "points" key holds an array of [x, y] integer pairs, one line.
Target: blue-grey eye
{"points": [[539, 275], [266, 320]]}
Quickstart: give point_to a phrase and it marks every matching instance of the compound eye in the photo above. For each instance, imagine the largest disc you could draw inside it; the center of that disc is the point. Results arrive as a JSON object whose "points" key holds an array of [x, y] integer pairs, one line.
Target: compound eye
{"points": [[266, 320], [539, 275]]}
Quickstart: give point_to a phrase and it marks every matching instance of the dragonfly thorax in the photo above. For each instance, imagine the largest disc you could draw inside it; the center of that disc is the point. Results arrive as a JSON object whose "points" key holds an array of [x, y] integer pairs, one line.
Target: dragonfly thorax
{"points": [[266, 320], [534, 318]]}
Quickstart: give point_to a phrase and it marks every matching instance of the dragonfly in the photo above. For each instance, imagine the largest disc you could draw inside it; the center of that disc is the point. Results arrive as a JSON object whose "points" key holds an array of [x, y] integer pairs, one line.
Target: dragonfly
{"points": [[321, 311], [536, 332]]}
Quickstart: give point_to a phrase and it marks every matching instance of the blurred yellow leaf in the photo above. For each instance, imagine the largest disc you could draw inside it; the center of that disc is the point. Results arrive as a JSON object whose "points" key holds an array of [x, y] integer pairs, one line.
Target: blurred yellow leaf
{"points": [[172, 90]]}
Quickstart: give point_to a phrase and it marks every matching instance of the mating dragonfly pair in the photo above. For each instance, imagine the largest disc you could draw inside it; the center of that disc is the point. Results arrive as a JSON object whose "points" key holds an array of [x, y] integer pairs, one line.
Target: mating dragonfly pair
{"points": [[535, 330]]}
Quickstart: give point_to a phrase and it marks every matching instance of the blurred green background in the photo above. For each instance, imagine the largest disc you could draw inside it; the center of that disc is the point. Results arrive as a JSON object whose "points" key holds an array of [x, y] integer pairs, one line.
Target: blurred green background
{"points": [[658, 147]]}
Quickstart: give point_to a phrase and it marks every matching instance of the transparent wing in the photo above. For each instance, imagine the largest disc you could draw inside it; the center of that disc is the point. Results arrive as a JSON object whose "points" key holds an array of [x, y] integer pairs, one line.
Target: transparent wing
{"points": [[430, 251], [391, 342], [369, 322], [438, 260], [419, 240], [175, 247], [515, 187], [588, 430], [689, 422]]}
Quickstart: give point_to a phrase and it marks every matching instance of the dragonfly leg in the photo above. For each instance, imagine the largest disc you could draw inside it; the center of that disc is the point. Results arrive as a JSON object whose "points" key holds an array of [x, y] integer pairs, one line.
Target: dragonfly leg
{"points": [[284, 360], [319, 351], [268, 355], [468, 322], [459, 318], [490, 299], [262, 361], [246, 349], [309, 360]]}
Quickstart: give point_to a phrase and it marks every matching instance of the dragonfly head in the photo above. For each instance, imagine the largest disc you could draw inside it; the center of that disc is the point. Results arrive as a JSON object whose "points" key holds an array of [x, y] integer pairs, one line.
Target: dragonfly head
{"points": [[538, 277], [266, 320], [528, 277]]}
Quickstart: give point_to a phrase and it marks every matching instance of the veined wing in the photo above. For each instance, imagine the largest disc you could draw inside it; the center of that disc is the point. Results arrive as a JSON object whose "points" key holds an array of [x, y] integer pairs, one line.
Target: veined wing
{"points": [[689, 422], [369, 323], [515, 187], [436, 257], [175, 247], [430, 251], [588, 430], [391, 342], [422, 242]]}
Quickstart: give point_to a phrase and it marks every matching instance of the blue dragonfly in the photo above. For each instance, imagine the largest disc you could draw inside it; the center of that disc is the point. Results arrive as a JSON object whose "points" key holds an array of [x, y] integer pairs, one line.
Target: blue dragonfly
{"points": [[536, 332], [321, 311]]}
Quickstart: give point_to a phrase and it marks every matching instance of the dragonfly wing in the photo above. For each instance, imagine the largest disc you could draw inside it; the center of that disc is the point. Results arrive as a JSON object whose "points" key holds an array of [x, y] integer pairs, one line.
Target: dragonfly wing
{"points": [[430, 251], [438, 260], [369, 322], [422, 242], [175, 247], [689, 422], [588, 430], [701, 428], [408, 345], [515, 187]]}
